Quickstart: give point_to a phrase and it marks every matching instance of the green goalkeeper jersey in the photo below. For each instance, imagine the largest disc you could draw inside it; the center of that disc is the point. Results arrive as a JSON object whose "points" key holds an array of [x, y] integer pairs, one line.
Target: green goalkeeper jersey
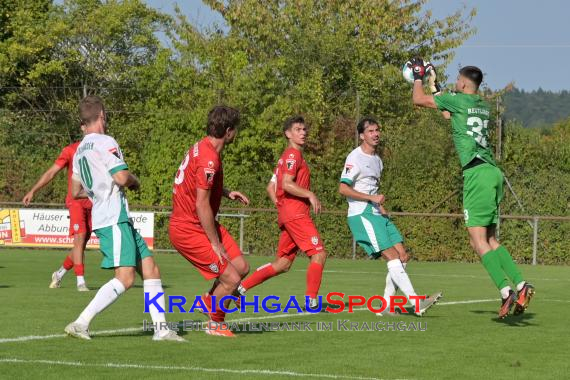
{"points": [[469, 122]]}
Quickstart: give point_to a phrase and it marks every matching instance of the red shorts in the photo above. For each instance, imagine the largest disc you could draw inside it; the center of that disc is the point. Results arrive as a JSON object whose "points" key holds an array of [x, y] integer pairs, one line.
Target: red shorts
{"points": [[79, 219], [299, 234], [191, 241]]}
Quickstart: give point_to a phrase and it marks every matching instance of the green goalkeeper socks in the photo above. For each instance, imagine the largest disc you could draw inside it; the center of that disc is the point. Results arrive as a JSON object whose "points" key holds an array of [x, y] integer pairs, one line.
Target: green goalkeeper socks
{"points": [[492, 264], [509, 266]]}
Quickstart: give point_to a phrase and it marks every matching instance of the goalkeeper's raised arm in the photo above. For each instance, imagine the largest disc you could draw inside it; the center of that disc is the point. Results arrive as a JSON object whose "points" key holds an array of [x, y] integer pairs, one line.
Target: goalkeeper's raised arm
{"points": [[420, 70]]}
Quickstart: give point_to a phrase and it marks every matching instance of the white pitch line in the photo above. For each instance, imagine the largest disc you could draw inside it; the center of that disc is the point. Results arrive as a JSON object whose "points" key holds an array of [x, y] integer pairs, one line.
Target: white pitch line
{"points": [[107, 332], [412, 274], [355, 309], [43, 337], [467, 302], [30, 337], [430, 275], [136, 329], [263, 372], [481, 277], [551, 300]]}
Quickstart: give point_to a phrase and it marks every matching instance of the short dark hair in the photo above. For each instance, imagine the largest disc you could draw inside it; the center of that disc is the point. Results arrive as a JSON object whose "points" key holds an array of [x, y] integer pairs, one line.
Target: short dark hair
{"points": [[220, 119], [297, 119], [365, 122], [90, 108], [473, 73]]}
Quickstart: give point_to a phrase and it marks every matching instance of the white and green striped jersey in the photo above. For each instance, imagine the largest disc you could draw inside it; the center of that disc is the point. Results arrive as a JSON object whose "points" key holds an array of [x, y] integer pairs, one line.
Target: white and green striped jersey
{"points": [[362, 172], [97, 158]]}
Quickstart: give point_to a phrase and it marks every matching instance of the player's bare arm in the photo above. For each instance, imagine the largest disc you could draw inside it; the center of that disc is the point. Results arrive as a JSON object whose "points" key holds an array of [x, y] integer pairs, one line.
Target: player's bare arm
{"points": [[292, 188], [125, 178], [77, 190], [420, 98], [235, 196], [271, 192], [348, 191], [208, 223], [423, 70], [424, 100], [44, 180]]}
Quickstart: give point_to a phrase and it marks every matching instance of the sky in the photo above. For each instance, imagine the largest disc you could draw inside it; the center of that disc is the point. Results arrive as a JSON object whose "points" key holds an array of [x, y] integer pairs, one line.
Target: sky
{"points": [[522, 41]]}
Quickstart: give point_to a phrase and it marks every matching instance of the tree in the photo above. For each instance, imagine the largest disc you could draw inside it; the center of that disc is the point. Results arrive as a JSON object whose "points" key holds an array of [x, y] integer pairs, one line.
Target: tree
{"points": [[51, 55]]}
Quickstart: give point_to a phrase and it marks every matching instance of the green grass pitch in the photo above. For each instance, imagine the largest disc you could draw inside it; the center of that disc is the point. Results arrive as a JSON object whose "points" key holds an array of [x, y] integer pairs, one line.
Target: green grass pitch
{"points": [[462, 340]]}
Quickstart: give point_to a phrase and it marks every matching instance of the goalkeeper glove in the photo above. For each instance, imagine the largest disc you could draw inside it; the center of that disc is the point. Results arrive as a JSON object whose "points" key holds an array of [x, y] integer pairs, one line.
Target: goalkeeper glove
{"points": [[432, 79], [418, 68]]}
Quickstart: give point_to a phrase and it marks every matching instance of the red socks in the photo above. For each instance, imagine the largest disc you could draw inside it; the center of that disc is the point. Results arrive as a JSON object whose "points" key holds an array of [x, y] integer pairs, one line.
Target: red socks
{"points": [[68, 263], [219, 316], [314, 276], [260, 275], [79, 269]]}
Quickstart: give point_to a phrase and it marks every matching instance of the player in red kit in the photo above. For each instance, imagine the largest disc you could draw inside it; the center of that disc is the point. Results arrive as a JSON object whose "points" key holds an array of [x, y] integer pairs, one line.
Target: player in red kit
{"points": [[294, 199], [197, 194], [79, 218]]}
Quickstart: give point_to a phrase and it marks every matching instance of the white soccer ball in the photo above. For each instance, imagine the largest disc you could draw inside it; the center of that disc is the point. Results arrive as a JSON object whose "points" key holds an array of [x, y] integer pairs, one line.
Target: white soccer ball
{"points": [[408, 73]]}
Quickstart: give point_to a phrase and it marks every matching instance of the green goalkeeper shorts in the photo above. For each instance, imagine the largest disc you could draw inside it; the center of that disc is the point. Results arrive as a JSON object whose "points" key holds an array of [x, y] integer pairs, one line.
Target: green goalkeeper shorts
{"points": [[121, 245], [482, 193], [374, 233]]}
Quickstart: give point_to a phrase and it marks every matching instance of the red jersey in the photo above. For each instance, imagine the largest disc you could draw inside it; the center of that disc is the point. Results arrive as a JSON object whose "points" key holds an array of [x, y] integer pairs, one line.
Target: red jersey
{"points": [[65, 159], [290, 207], [200, 169]]}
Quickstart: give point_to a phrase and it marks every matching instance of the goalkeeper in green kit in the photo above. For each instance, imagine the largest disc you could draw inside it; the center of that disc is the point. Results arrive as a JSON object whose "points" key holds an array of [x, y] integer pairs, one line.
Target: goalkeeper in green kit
{"points": [[482, 179]]}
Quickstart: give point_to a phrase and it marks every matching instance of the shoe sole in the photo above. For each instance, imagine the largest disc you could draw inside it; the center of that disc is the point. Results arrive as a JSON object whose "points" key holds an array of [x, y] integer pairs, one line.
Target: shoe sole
{"points": [[73, 334], [323, 310], [214, 333], [55, 283], [521, 307], [208, 313], [422, 312], [169, 340], [181, 340], [388, 314]]}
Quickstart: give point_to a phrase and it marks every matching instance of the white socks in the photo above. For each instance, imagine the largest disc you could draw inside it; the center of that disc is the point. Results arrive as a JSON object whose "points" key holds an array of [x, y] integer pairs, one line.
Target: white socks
{"points": [[391, 287], [80, 280], [152, 287], [505, 292], [400, 277], [61, 272], [104, 297], [112, 290]]}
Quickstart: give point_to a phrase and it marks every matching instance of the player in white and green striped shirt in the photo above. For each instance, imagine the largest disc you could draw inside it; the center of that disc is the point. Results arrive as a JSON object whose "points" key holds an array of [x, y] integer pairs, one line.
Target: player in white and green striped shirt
{"points": [[372, 229]]}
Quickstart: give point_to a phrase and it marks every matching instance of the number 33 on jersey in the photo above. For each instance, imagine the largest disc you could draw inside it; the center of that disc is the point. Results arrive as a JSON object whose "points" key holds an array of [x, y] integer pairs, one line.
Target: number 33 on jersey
{"points": [[469, 121]]}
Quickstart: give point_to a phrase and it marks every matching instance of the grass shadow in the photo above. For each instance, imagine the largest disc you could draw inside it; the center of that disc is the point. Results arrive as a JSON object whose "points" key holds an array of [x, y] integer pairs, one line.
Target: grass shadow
{"points": [[521, 320]]}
